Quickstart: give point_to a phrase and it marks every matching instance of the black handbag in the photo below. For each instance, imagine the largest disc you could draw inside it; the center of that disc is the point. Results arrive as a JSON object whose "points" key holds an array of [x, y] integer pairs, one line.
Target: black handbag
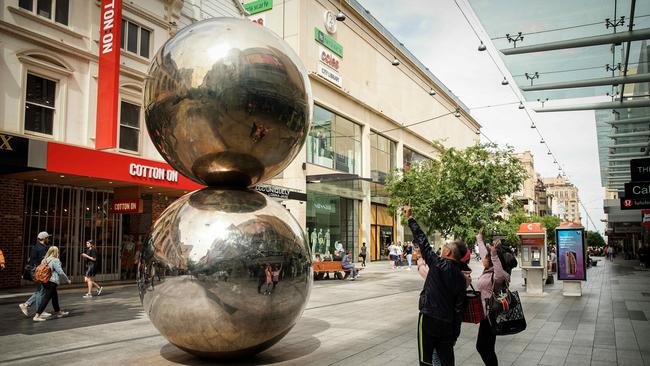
{"points": [[511, 321], [28, 273], [501, 299]]}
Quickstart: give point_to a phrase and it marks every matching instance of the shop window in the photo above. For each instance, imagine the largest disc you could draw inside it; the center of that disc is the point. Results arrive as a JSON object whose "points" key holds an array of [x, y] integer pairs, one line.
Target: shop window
{"points": [[334, 142], [129, 126], [72, 215], [56, 10], [332, 224], [409, 157], [382, 157], [135, 38], [40, 104]]}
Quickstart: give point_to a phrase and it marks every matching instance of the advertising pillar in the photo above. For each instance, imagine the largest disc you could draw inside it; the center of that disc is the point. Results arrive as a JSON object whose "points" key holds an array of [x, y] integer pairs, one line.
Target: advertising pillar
{"points": [[533, 256], [571, 258]]}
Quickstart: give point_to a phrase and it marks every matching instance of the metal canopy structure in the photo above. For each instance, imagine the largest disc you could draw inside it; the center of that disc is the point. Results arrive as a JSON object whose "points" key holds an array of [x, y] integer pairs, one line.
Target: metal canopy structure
{"points": [[559, 50]]}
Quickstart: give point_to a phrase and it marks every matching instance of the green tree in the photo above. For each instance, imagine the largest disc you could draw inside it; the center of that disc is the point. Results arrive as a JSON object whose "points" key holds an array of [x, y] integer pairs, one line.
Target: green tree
{"points": [[594, 239], [550, 222], [518, 216], [461, 192]]}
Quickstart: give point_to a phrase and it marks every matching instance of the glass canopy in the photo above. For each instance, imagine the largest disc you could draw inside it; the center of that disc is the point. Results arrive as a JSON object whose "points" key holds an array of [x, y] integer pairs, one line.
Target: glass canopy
{"points": [[571, 57]]}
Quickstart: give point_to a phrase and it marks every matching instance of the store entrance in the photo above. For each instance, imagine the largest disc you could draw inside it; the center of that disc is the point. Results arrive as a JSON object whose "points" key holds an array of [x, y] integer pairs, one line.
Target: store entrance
{"points": [[382, 231], [385, 240]]}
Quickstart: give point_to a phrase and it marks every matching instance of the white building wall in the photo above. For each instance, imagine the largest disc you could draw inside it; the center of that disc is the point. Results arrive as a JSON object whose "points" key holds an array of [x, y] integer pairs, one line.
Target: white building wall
{"points": [[69, 56]]}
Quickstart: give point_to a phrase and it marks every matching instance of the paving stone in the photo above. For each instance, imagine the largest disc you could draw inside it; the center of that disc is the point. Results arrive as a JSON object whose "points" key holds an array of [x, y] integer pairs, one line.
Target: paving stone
{"points": [[356, 323], [577, 360]]}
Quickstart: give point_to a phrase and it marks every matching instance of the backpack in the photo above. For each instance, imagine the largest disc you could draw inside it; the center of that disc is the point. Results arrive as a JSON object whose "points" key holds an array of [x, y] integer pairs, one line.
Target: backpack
{"points": [[43, 273]]}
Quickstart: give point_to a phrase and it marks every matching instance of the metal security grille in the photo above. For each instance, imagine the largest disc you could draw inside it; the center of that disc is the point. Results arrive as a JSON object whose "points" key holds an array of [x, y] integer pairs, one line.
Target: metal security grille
{"points": [[72, 215]]}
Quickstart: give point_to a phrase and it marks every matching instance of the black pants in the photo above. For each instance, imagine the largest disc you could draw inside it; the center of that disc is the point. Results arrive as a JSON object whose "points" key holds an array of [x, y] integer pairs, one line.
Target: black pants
{"points": [[363, 260], [435, 335], [49, 293], [485, 343]]}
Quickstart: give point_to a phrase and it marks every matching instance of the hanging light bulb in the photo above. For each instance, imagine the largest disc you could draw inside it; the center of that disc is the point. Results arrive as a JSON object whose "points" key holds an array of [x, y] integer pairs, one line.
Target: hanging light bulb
{"points": [[395, 62], [533, 126], [457, 113], [505, 81], [549, 153], [432, 92], [542, 141], [521, 105], [340, 16], [482, 47]]}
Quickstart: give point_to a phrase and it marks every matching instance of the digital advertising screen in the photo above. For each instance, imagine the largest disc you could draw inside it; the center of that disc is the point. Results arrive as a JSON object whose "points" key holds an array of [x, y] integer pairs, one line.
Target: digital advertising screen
{"points": [[571, 254]]}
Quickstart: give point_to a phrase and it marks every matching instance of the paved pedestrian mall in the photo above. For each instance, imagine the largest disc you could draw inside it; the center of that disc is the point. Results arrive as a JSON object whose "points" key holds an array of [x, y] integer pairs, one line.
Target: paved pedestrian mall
{"points": [[371, 321]]}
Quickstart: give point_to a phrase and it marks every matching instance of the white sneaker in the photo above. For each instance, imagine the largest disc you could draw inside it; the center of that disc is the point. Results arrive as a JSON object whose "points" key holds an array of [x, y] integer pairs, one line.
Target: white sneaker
{"points": [[24, 308], [45, 314], [38, 318], [88, 296]]}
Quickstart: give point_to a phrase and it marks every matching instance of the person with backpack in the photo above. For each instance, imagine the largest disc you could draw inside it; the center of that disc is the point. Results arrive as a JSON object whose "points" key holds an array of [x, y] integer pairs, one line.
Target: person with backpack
{"points": [[35, 257], [90, 256], [50, 273], [494, 277]]}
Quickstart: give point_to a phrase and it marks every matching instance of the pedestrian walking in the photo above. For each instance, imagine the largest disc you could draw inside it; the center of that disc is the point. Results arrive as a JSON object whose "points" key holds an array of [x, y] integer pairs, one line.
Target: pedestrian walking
{"points": [[36, 255], [442, 298], [364, 253], [610, 253], [49, 288], [392, 255], [494, 276], [400, 255], [408, 249], [268, 278], [276, 275], [90, 257]]}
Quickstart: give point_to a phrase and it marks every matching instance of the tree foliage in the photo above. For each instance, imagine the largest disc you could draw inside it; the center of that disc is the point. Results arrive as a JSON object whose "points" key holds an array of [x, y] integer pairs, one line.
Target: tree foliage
{"points": [[510, 226], [594, 239], [461, 192]]}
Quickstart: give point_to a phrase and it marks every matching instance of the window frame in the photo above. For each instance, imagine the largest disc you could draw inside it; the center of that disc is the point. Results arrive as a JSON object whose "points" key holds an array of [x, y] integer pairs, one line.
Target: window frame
{"points": [[53, 10], [333, 137], [60, 98], [124, 35], [130, 98]]}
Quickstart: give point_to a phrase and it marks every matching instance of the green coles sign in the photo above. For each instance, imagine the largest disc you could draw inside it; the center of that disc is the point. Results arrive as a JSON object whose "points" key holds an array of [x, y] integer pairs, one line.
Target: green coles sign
{"points": [[258, 6], [328, 42]]}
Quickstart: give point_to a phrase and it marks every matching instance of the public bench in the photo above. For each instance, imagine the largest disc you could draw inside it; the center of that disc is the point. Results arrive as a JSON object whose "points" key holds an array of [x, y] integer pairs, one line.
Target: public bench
{"points": [[335, 267]]}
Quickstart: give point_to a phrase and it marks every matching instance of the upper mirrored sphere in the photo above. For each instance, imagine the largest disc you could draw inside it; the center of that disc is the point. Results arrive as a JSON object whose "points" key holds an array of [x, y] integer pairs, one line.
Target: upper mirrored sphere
{"points": [[227, 102]]}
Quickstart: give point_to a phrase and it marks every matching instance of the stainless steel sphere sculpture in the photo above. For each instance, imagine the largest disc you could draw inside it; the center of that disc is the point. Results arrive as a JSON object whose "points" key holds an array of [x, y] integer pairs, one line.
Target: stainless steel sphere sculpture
{"points": [[226, 271]]}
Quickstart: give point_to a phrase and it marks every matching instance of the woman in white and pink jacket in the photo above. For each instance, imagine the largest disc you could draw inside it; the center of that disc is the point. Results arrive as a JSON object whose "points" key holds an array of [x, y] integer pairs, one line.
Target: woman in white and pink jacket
{"points": [[494, 276]]}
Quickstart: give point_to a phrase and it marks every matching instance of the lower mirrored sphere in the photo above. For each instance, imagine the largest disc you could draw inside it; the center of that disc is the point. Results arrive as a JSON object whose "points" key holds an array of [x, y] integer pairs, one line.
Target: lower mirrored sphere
{"points": [[225, 273]]}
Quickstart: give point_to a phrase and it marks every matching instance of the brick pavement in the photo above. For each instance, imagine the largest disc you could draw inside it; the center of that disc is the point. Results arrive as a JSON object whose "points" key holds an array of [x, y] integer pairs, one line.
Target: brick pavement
{"points": [[371, 321]]}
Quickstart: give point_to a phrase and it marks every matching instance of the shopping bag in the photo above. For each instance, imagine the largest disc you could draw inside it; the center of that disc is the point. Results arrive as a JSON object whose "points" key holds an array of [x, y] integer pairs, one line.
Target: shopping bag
{"points": [[473, 311]]}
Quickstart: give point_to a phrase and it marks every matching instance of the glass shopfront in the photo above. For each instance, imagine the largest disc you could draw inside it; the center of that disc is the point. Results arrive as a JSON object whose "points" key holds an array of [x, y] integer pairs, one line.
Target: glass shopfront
{"points": [[382, 157], [73, 215], [332, 223], [334, 142]]}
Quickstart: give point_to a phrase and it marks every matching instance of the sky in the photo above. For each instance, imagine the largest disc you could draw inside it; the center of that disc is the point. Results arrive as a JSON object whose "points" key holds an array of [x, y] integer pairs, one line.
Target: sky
{"points": [[439, 36]]}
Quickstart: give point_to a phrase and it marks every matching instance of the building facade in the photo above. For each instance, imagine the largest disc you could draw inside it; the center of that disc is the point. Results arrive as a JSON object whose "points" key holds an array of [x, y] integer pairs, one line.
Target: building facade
{"points": [[563, 198], [366, 122], [526, 196]]}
